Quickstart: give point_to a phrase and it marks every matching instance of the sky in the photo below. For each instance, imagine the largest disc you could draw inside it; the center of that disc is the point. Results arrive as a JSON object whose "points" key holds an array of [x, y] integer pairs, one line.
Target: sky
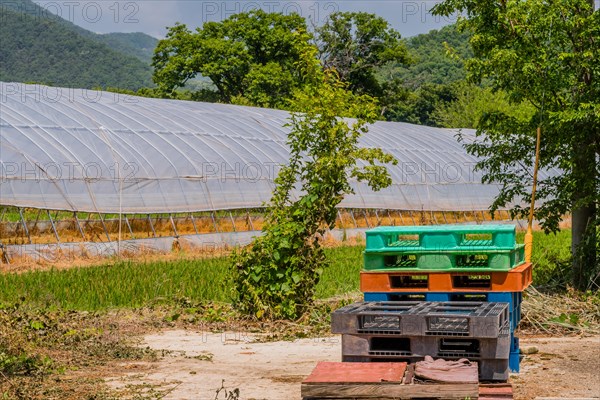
{"points": [[154, 16]]}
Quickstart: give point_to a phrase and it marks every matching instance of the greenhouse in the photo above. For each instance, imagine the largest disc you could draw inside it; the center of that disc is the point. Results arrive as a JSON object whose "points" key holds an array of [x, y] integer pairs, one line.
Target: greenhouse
{"points": [[89, 161]]}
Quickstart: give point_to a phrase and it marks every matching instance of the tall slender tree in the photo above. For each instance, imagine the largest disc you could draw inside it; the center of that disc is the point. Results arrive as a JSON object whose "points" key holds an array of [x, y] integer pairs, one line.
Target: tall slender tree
{"points": [[545, 52]]}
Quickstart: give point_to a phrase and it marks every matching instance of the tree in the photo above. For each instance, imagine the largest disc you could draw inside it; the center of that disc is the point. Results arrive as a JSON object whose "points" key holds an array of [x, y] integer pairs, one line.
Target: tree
{"points": [[248, 57], [419, 106], [356, 45], [547, 53], [437, 57], [276, 276], [473, 102]]}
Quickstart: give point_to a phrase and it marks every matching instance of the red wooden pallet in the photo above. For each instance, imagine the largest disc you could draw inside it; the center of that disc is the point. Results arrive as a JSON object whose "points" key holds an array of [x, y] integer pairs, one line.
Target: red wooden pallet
{"points": [[386, 380], [495, 391]]}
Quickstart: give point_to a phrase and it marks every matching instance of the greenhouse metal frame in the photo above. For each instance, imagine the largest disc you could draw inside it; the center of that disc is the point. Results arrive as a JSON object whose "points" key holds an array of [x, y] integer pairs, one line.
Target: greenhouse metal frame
{"points": [[80, 152]]}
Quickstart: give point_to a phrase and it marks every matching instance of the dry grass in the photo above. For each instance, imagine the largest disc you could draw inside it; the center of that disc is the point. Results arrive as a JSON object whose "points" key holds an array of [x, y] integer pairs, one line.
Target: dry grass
{"points": [[95, 230], [181, 250], [76, 259], [57, 355], [560, 313], [184, 225]]}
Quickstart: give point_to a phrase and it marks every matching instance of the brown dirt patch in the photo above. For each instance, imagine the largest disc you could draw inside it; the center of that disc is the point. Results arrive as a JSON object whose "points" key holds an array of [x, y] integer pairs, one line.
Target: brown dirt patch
{"points": [[563, 367]]}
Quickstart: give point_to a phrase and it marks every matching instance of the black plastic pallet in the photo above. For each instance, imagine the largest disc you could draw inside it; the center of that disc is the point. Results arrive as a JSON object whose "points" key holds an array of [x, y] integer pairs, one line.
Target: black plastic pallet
{"points": [[489, 369], [461, 319], [420, 346]]}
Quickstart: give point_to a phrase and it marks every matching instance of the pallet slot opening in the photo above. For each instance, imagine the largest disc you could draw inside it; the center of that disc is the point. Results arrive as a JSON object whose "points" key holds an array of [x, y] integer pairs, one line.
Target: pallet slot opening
{"points": [[472, 260], [390, 344], [380, 323], [388, 360], [459, 346], [472, 281], [407, 297], [469, 297], [405, 241], [450, 324], [477, 239], [400, 261], [409, 281]]}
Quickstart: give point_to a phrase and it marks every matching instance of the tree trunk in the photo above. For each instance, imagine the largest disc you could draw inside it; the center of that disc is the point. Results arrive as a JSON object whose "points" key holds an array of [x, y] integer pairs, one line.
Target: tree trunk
{"points": [[583, 246], [583, 233]]}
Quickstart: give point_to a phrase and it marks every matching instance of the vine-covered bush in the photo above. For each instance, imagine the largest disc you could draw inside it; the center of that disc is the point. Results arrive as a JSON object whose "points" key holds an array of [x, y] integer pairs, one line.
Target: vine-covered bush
{"points": [[276, 276]]}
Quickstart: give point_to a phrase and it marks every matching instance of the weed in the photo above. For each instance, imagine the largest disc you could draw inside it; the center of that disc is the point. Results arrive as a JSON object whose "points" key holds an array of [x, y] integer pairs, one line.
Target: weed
{"points": [[225, 394]]}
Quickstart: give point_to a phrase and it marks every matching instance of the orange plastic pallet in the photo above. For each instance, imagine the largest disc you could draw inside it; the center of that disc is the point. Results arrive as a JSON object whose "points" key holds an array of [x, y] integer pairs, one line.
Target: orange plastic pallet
{"points": [[515, 280]]}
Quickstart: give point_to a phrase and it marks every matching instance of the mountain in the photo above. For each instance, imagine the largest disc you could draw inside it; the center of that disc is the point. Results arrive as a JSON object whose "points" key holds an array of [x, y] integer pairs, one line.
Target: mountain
{"points": [[137, 44], [40, 47]]}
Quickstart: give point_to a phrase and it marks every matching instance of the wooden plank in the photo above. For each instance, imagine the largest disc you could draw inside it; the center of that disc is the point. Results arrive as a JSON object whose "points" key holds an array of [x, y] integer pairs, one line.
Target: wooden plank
{"points": [[356, 372], [409, 376], [385, 390], [492, 397], [495, 391]]}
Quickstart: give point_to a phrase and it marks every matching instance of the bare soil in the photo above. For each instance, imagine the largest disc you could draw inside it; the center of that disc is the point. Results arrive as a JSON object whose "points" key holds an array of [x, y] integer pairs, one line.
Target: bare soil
{"points": [[196, 364]]}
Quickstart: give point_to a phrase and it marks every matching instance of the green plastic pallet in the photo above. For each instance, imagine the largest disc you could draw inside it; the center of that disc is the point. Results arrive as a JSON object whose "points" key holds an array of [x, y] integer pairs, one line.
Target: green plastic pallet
{"points": [[442, 237], [455, 260]]}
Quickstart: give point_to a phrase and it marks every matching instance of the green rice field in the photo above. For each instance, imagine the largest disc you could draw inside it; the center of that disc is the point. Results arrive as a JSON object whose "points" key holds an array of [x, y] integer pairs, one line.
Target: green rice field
{"points": [[136, 284]]}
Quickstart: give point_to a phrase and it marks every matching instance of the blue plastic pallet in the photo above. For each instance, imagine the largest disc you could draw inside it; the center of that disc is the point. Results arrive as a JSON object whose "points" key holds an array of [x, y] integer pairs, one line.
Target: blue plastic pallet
{"points": [[514, 361], [514, 299], [515, 343]]}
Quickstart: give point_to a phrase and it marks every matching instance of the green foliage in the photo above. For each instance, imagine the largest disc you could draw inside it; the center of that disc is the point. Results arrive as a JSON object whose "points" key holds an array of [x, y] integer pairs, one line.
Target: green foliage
{"points": [[155, 282], [473, 102], [24, 364], [184, 282], [542, 53], [551, 255], [432, 89], [16, 355], [121, 284], [33, 359], [277, 275], [420, 106], [438, 58], [249, 57], [46, 49], [357, 45], [414, 91]]}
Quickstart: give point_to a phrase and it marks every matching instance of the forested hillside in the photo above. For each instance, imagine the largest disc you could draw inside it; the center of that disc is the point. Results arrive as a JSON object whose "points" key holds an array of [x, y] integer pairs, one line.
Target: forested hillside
{"points": [[427, 87], [434, 78], [136, 44], [39, 47], [438, 58]]}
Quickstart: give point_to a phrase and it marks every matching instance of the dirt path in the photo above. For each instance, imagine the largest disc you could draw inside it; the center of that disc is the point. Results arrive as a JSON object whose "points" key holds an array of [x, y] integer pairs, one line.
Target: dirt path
{"points": [[563, 367], [270, 370], [195, 363]]}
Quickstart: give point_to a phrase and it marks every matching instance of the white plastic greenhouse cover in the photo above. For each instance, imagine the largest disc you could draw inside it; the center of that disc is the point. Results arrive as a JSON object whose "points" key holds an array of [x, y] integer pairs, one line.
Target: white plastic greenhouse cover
{"points": [[83, 150]]}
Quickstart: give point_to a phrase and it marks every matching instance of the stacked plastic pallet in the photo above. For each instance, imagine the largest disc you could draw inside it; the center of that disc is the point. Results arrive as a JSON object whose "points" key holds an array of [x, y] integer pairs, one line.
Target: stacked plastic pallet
{"points": [[393, 331], [472, 269]]}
